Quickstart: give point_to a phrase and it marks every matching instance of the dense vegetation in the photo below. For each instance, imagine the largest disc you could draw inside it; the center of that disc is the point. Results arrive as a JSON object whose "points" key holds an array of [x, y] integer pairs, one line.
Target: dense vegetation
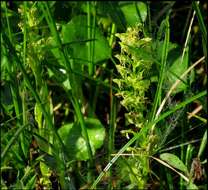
{"points": [[103, 95]]}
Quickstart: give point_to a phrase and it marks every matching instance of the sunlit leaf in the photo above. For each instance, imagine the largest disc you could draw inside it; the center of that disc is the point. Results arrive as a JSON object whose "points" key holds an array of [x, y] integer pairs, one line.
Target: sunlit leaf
{"points": [[174, 161], [31, 183], [38, 115], [192, 186], [72, 137], [134, 13]]}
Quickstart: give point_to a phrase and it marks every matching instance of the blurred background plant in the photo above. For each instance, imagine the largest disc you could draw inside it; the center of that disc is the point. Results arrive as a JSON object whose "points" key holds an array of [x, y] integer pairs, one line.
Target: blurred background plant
{"points": [[103, 94]]}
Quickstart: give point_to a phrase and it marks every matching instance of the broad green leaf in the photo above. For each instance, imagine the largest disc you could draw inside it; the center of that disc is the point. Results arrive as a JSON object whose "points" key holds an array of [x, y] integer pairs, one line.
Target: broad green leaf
{"points": [[111, 12], [173, 49], [71, 135], [96, 132], [174, 161], [175, 71], [43, 142], [75, 36], [131, 14], [191, 186], [175, 68]]}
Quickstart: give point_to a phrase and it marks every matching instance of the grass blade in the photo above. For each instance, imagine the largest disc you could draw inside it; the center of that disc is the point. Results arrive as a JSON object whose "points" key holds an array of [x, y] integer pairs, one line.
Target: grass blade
{"points": [[203, 144], [12, 140], [162, 70], [195, 5], [179, 106]]}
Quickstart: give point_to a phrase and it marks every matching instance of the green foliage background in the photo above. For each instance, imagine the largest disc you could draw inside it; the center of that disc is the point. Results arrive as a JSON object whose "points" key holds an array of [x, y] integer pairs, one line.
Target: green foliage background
{"points": [[82, 92]]}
